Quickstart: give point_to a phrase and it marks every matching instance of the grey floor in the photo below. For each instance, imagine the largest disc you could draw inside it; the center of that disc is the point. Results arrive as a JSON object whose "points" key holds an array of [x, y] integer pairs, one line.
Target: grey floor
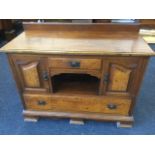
{"points": [[11, 120]]}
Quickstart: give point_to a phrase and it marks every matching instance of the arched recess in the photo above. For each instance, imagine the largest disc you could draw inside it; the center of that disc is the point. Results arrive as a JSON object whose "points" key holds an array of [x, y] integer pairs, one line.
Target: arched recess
{"points": [[75, 83]]}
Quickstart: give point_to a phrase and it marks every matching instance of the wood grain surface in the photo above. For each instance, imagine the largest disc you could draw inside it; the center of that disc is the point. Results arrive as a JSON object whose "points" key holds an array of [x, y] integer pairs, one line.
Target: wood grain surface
{"points": [[77, 41], [77, 103]]}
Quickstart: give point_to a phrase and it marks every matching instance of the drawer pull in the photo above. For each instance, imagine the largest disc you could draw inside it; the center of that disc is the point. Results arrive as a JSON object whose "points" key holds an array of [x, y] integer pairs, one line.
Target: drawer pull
{"points": [[112, 106], [75, 64], [45, 76], [41, 102]]}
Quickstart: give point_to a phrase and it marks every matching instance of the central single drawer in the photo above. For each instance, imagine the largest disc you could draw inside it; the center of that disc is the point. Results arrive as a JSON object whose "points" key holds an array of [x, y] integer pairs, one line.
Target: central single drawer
{"points": [[104, 105], [81, 63]]}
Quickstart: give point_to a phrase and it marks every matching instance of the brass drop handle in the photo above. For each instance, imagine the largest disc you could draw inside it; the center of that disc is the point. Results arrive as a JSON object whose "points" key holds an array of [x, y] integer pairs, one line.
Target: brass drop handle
{"points": [[45, 76], [41, 102], [74, 64], [112, 106]]}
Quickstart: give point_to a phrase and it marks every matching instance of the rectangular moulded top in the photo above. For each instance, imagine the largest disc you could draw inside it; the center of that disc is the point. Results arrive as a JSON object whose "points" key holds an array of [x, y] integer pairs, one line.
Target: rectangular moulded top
{"points": [[79, 39]]}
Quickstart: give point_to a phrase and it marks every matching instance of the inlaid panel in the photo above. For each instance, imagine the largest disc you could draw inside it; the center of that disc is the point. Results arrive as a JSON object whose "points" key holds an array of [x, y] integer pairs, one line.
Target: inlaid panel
{"points": [[30, 74], [119, 78]]}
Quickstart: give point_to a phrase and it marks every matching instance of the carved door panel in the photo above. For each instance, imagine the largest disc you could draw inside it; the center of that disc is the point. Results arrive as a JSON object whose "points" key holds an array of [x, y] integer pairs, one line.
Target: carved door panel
{"points": [[32, 72], [120, 76]]}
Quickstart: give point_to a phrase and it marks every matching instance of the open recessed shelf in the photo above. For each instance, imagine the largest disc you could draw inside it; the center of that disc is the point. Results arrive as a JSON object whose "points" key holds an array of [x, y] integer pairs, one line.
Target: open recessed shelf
{"points": [[69, 83]]}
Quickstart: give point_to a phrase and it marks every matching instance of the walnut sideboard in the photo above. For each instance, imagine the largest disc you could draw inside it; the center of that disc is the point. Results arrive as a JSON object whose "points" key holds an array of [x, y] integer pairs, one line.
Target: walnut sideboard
{"points": [[79, 71]]}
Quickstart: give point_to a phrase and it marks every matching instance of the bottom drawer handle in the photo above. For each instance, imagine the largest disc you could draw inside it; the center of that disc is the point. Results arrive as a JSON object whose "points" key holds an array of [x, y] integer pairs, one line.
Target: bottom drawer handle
{"points": [[41, 103], [112, 106]]}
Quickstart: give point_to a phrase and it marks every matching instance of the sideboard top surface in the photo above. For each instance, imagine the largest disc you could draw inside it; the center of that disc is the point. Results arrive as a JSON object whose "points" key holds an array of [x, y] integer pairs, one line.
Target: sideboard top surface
{"points": [[78, 41]]}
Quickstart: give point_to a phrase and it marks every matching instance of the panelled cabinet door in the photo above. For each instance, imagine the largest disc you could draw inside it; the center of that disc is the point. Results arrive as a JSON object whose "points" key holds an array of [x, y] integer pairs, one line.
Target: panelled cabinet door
{"points": [[32, 73], [120, 76]]}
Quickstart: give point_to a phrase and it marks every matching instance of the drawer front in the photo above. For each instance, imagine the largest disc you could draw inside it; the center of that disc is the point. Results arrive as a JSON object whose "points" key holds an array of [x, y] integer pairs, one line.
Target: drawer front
{"points": [[104, 105], [74, 63]]}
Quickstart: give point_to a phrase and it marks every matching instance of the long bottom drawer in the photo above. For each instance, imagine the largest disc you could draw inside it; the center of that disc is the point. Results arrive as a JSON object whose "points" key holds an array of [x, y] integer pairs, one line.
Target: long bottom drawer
{"points": [[97, 104]]}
